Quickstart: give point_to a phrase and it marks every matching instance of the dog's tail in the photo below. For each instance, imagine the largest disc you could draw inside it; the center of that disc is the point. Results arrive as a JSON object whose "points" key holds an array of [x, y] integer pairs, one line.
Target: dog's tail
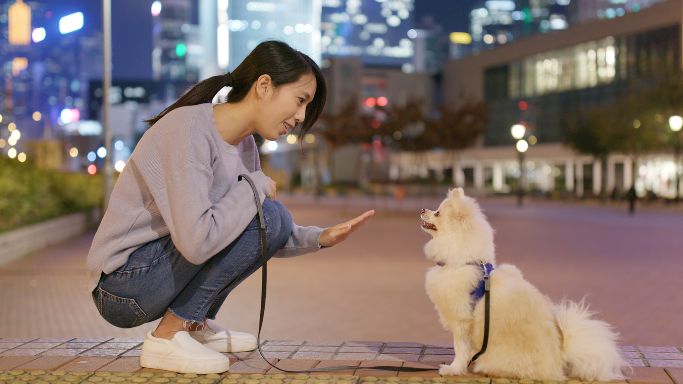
{"points": [[589, 346]]}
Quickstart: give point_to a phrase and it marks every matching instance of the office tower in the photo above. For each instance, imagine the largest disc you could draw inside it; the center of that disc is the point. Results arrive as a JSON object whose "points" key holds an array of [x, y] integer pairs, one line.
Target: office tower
{"points": [[378, 32]]}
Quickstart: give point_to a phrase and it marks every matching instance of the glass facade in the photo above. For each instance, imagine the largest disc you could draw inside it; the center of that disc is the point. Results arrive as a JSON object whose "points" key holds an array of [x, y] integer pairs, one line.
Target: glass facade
{"points": [[170, 40], [379, 32], [498, 22], [296, 22], [586, 10], [540, 88]]}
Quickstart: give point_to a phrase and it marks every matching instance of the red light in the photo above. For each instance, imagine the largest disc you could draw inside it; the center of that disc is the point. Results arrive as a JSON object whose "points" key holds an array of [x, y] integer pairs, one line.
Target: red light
{"points": [[375, 124], [92, 169], [370, 102], [382, 101], [76, 114], [523, 105]]}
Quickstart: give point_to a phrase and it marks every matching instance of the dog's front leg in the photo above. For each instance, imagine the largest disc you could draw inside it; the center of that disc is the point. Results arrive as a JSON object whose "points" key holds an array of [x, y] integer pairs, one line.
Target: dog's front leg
{"points": [[463, 351]]}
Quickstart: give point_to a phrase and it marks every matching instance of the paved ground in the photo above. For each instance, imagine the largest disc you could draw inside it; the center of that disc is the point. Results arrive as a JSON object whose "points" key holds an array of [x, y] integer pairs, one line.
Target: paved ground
{"points": [[371, 287]]}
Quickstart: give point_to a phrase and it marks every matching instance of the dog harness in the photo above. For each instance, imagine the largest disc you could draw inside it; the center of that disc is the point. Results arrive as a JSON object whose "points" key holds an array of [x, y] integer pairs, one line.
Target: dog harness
{"points": [[483, 289], [478, 292]]}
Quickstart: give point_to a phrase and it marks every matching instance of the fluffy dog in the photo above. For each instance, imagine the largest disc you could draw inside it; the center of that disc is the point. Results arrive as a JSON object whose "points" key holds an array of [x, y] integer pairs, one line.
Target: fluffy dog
{"points": [[529, 336]]}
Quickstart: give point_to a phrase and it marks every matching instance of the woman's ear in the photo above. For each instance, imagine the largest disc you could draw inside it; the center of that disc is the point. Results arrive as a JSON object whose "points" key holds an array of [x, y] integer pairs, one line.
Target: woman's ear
{"points": [[264, 86]]}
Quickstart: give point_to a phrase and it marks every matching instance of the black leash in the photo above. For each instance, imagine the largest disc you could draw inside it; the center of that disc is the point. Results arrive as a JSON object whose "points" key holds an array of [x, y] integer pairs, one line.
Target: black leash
{"points": [[487, 315], [264, 286]]}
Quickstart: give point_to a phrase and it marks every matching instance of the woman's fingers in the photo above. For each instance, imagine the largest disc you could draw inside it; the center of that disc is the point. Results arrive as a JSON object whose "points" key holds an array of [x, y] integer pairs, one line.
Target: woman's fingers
{"points": [[334, 235], [360, 219]]}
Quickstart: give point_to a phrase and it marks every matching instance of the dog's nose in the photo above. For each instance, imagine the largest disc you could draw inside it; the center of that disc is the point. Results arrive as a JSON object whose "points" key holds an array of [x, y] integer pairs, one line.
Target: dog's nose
{"points": [[423, 210]]}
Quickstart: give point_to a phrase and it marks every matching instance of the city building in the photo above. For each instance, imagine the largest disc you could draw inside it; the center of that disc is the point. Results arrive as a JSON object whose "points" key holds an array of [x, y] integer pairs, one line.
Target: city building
{"points": [[175, 41], [45, 82], [499, 22], [586, 10], [542, 78], [377, 32], [247, 23]]}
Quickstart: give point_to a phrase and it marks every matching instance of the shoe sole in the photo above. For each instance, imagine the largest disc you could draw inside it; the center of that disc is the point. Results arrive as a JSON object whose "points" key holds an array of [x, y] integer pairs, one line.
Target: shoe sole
{"points": [[218, 347], [201, 367]]}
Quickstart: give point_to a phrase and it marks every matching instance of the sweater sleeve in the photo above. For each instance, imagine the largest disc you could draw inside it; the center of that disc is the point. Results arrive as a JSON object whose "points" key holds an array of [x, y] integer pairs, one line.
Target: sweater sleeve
{"points": [[199, 228], [303, 240]]}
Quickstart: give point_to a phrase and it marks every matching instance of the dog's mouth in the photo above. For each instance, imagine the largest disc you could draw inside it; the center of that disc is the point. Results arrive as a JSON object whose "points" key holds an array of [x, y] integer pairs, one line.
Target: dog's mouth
{"points": [[427, 225]]}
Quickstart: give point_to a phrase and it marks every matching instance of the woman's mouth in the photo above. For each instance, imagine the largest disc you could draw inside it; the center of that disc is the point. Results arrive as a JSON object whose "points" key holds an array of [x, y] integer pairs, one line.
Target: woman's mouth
{"points": [[285, 128]]}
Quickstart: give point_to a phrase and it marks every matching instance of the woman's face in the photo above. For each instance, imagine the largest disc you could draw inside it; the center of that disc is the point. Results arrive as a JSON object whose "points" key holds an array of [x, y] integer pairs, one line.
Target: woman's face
{"points": [[284, 107]]}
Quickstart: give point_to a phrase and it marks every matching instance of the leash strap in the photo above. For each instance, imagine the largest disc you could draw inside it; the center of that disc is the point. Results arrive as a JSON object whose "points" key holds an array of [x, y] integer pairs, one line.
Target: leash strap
{"points": [[264, 285], [487, 314]]}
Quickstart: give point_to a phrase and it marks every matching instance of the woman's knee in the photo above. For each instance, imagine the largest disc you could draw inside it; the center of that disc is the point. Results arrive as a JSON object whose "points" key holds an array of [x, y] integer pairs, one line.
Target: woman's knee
{"points": [[278, 220]]}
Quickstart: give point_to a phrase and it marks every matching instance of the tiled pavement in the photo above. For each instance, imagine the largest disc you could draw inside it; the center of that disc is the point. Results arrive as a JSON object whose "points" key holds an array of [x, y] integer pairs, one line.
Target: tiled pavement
{"points": [[121, 355]]}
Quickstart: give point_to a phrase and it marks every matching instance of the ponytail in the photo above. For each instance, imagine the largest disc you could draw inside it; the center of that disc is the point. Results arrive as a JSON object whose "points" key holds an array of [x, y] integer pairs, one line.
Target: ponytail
{"points": [[201, 93]]}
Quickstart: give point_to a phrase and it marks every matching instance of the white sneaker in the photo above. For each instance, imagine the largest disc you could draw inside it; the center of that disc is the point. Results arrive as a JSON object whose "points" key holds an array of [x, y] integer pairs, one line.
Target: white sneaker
{"points": [[223, 340], [182, 354]]}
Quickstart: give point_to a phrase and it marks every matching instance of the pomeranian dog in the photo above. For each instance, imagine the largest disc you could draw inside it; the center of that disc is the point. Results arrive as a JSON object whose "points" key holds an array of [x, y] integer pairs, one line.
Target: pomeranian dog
{"points": [[529, 336]]}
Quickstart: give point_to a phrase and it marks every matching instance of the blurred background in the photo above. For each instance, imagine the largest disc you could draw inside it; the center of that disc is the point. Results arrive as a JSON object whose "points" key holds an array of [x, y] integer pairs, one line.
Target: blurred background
{"points": [[423, 93]]}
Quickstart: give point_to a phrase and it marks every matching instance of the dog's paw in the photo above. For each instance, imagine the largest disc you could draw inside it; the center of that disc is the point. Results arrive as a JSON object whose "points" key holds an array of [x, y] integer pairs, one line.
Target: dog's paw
{"points": [[450, 370]]}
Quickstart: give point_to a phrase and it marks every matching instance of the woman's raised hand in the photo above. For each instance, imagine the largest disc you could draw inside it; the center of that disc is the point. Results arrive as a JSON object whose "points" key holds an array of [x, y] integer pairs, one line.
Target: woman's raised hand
{"points": [[338, 233]]}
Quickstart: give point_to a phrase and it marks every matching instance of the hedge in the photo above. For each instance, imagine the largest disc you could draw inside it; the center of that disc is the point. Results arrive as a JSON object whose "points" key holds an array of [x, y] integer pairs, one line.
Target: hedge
{"points": [[30, 195]]}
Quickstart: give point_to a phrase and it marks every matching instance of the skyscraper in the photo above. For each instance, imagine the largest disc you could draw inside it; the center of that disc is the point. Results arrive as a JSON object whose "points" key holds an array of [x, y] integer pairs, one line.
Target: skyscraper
{"points": [[247, 23], [172, 34], [498, 22], [585, 10], [378, 32]]}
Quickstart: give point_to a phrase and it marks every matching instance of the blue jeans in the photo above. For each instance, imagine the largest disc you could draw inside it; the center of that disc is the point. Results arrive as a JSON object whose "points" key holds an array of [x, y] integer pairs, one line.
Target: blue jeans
{"points": [[157, 277]]}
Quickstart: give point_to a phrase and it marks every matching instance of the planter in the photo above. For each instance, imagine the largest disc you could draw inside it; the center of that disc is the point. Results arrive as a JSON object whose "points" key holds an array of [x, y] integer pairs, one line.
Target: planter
{"points": [[22, 241]]}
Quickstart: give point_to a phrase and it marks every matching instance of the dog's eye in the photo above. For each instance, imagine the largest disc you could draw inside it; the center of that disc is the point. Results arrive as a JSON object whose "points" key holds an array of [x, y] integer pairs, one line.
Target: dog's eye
{"points": [[436, 213]]}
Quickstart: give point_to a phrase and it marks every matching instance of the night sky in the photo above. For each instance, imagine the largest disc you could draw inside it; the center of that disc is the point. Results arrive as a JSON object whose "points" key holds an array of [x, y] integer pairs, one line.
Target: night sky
{"points": [[132, 41]]}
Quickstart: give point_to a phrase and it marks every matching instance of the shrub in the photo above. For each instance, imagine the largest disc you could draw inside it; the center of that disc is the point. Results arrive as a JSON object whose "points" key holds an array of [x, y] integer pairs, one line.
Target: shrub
{"points": [[29, 195]]}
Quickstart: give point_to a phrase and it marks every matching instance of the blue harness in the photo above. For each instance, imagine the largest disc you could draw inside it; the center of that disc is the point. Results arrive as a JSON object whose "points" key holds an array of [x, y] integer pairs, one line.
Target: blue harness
{"points": [[483, 289], [478, 292]]}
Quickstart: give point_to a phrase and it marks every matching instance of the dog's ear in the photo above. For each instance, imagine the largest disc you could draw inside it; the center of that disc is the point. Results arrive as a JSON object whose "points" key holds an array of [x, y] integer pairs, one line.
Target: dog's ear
{"points": [[456, 192]]}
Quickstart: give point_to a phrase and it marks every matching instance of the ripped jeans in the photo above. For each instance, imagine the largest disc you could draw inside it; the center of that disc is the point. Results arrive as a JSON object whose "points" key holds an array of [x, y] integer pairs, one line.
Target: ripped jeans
{"points": [[157, 277]]}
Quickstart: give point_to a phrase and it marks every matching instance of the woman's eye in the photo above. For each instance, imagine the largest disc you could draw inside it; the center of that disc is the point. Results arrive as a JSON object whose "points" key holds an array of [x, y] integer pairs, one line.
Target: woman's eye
{"points": [[301, 100]]}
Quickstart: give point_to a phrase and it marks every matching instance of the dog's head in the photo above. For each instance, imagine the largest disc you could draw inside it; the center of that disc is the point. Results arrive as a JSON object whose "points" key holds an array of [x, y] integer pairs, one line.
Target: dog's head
{"points": [[460, 232]]}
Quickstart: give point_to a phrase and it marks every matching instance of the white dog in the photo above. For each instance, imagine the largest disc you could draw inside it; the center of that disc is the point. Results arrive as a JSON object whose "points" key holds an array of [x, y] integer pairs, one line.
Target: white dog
{"points": [[529, 336]]}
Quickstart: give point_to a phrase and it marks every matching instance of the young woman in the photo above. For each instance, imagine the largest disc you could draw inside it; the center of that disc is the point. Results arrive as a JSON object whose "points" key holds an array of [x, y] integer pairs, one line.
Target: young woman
{"points": [[181, 231]]}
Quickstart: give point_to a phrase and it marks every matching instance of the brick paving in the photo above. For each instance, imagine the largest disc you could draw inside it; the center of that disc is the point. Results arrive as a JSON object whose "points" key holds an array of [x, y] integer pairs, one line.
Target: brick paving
{"points": [[582, 242], [650, 364]]}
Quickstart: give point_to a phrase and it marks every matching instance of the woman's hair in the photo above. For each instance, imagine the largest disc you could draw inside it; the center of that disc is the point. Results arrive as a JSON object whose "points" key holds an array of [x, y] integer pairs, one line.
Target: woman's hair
{"points": [[281, 62]]}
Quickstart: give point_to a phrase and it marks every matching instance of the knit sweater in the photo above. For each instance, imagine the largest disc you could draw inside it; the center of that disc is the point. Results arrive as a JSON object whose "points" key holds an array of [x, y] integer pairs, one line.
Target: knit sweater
{"points": [[182, 180]]}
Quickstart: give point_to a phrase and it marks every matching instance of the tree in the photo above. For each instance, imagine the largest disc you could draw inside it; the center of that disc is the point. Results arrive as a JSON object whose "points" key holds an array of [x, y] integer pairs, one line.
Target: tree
{"points": [[631, 124], [347, 126], [408, 129]]}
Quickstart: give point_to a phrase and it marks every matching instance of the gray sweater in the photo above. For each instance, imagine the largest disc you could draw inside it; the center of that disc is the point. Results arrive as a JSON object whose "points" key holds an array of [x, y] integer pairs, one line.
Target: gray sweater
{"points": [[181, 180]]}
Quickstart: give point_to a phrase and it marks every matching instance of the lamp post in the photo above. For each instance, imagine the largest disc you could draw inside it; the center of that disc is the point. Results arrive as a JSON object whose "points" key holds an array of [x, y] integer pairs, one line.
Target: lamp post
{"points": [[676, 123], [518, 132]]}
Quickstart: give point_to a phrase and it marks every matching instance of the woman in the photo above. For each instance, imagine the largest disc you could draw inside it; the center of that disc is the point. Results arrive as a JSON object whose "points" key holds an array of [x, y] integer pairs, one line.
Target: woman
{"points": [[181, 231]]}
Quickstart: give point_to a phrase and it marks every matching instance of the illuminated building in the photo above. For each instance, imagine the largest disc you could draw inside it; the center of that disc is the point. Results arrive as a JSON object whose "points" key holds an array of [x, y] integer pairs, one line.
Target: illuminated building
{"points": [[378, 32], [545, 78], [296, 22], [586, 10]]}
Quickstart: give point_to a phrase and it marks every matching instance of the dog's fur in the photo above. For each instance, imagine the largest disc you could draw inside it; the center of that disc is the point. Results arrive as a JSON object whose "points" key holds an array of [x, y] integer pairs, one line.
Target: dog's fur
{"points": [[529, 336]]}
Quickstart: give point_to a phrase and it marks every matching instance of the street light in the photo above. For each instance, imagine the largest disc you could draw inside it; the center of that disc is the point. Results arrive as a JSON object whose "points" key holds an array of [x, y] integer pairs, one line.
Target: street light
{"points": [[676, 123], [518, 132]]}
